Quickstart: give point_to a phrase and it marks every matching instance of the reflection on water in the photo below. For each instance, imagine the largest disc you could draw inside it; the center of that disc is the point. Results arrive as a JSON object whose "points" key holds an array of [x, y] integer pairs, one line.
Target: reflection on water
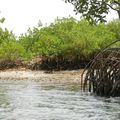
{"points": [[34, 100]]}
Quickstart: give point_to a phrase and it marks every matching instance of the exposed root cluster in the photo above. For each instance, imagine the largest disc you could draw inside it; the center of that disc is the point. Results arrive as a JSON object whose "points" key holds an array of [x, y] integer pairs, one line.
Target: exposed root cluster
{"points": [[9, 64], [103, 75], [57, 64]]}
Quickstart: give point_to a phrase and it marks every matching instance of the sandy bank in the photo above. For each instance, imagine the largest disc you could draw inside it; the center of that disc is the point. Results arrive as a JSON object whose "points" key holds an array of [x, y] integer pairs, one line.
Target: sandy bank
{"points": [[73, 76]]}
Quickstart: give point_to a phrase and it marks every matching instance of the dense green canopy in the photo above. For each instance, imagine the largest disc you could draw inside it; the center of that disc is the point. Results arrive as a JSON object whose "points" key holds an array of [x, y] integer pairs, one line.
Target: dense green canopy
{"points": [[63, 39], [95, 10], [68, 37]]}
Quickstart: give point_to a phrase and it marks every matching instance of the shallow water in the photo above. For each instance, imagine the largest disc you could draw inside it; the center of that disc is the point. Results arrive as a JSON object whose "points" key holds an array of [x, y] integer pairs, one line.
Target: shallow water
{"points": [[36, 100]]}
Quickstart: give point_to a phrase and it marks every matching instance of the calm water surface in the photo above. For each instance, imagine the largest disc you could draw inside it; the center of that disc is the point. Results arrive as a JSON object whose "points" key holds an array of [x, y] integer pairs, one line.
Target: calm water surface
{"points": [[36, 100]]}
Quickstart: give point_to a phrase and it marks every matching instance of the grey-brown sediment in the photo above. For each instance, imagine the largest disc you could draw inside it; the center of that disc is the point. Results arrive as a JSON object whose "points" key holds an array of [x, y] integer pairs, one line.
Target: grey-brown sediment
{"points": [[68, 77]]}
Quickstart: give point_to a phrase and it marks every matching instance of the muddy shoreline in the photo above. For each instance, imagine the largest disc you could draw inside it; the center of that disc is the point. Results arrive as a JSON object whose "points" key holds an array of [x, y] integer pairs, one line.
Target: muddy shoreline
{"points": [[72, 76]]}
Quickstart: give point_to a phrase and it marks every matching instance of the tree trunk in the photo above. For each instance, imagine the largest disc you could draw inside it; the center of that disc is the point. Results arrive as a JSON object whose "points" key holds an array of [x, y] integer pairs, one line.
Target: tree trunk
{"points": [[118, 13]]}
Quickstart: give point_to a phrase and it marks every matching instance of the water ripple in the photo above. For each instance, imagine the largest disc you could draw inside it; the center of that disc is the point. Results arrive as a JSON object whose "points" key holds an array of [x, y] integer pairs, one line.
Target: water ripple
{"points": [[34, 100]]}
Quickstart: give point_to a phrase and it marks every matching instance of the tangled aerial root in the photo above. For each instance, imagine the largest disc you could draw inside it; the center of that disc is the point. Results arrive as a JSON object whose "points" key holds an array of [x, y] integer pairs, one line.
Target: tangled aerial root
{"points": [[103, 75]]}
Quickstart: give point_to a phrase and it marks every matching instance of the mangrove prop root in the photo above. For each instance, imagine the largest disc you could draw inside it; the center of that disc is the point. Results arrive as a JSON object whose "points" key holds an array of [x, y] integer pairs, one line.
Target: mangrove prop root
{"points": [[102, 77]]}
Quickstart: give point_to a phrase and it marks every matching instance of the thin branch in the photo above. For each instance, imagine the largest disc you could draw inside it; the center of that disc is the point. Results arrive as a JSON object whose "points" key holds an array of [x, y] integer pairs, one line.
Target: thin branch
{"points": [[117, 2], [111, 7]]}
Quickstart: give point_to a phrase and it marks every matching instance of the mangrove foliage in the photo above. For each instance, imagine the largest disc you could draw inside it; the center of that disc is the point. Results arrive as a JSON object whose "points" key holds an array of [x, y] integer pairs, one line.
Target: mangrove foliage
{"points": [[64, 44]]}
